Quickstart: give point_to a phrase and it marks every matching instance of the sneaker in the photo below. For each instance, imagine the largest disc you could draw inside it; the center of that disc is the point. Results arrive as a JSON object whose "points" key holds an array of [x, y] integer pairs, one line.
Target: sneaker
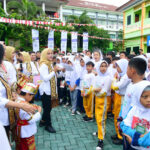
{"points": [[117, 141], [73, 113], [95, 133], [114, 137], [88, 119], [78, 112], [70, 109], [100, 145]]}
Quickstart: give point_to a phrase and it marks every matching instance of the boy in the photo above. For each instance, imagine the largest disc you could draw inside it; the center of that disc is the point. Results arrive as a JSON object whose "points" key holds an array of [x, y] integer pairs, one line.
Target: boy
{"points": [[136, 126], [86, 86], [26, 123]]}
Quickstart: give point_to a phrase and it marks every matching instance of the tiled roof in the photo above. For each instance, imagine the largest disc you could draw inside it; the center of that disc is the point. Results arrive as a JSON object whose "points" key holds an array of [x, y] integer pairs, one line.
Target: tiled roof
{"points": [[93, 5]]}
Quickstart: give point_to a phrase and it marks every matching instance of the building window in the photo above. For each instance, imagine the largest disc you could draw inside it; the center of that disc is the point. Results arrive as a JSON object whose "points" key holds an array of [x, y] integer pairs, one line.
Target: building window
{"points": [[149, 14], [137, 17], [129, 20]]}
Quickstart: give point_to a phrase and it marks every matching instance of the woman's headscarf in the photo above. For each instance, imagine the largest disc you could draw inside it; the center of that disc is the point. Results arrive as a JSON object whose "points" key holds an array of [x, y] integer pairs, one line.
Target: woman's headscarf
{"points": [[123, 64], [26, 57], [8, 53], [43, 59]]}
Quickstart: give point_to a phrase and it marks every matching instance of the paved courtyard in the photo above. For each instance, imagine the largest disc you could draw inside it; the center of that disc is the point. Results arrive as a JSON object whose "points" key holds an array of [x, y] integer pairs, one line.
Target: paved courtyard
{"points": [[72, 133]]}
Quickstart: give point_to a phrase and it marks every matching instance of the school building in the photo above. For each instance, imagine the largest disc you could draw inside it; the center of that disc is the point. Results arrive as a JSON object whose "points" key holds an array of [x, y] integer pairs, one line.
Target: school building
{"points": [[136, 25]]}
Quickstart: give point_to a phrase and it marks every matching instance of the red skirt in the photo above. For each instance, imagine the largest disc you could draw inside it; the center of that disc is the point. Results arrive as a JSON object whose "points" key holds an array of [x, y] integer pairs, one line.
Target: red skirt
{"points": [[26, 144]]}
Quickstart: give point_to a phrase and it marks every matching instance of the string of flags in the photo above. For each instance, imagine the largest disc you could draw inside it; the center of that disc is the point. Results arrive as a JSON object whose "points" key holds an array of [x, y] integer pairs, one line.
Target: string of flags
{"points": [[39, 24]]}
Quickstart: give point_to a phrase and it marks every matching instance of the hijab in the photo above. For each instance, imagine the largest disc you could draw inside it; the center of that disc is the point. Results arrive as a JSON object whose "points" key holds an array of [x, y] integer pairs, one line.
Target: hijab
{"points": [[99, 72], [26, 57], [8, 53], [123, 64]]}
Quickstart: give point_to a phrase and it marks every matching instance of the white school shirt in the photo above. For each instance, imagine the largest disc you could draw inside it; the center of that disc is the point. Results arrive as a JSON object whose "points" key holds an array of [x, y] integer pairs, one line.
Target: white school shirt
{"points": [[31, 129], [45, 76], [33, 68], [12, 75], [103, 82], [122, 85], [112, 70]]}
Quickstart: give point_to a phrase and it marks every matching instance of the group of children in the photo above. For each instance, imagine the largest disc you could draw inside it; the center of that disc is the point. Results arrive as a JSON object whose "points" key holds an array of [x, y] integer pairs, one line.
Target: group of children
{"points": [[94, 84]]}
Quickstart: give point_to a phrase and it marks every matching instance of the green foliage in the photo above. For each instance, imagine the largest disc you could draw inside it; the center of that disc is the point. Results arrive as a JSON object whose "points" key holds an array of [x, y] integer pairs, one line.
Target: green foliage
{"points": [[28, 10]]}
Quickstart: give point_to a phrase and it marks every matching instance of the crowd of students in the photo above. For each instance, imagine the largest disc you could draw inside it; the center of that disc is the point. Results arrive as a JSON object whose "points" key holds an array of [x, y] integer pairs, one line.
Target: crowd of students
{"points": [[98, 85]]}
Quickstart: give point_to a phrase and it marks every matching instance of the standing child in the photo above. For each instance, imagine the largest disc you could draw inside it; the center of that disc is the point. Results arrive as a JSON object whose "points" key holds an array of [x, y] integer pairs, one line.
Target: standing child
{"points": [[102, 85], [136, 126], [119, 85], [26, 123], [86, 91]]}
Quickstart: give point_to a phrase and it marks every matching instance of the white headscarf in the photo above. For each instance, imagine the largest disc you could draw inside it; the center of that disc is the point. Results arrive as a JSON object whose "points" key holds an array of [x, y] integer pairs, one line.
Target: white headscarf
{"points": [[99, 72], [123, 64], [141, 88]]}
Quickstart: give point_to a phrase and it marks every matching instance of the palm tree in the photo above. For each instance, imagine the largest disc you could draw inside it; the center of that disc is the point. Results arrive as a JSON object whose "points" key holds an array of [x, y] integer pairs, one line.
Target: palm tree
{"points": [[26, 8]]}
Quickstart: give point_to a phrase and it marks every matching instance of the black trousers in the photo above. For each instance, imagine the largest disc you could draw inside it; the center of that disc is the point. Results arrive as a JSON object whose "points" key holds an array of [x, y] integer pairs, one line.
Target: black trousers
{"points": [[46, 102]]}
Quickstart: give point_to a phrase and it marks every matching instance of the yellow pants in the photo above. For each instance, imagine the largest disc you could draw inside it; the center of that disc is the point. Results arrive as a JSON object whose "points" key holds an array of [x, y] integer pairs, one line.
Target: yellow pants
{"points": [[109, 103], [117, 107], [101, 115], [88, 105]]}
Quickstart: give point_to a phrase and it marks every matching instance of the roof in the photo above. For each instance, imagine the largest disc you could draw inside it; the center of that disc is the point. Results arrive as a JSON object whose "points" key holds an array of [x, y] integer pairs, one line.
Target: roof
{"points": [[128, 4], [92, 5]]}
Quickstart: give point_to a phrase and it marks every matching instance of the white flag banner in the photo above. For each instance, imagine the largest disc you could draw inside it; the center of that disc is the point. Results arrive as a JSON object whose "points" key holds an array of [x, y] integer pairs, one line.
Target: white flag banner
{"points": [[74, 38], [63, 41], [51, 40], [85, 41], [35, 40]]}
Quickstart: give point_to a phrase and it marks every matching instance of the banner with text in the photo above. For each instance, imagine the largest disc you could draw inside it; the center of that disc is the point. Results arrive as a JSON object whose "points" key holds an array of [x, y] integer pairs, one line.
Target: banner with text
{"points": [[74, 39], [63, 41], [85, 41], [35, 40], [51, 39]]}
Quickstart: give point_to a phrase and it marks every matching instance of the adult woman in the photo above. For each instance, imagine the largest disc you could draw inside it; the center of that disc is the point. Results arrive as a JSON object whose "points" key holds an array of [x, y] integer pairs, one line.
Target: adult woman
{"points": [[48, 88]]}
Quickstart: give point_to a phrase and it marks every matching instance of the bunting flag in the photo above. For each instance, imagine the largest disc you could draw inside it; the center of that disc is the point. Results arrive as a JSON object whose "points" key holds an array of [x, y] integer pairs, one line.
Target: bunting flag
{"points": [[85, 41], [63, 41], [35, 40], [74, 45], [51, 39], [40, 24]]}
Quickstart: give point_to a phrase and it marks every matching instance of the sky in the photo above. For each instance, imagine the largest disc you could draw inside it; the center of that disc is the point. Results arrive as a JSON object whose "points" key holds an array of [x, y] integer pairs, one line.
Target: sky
{"points": [[111, 2]]}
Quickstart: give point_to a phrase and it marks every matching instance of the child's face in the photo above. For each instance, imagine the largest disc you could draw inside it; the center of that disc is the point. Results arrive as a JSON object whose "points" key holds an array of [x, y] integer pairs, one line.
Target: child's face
{"points": [[28, 97], [49, 55], [130, 72], [118, 69], [82, 63], [89, 68], [58, 61], [103, 68], [63, 60], [145, 99], [96, 56]]}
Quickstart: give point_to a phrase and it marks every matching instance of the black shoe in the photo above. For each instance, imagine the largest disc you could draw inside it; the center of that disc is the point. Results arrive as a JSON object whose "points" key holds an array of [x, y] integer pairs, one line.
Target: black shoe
{"points": [[85, 116], [114, 137], [118, 141], [42, 123], [100, 145], [88, 119], [50, 129]]}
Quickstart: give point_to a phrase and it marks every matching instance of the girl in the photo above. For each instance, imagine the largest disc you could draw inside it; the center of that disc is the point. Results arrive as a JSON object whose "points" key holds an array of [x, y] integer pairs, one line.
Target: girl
{"points": [[136, 126], [102, 85], [119, 85]]}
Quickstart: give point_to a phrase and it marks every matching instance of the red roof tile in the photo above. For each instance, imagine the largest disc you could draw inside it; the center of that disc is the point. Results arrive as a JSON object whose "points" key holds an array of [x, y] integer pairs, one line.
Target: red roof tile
{"points": [[93, 5]]}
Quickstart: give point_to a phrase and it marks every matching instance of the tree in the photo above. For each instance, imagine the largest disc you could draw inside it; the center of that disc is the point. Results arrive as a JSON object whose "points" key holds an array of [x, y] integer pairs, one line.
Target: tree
{"points": [[27, 9]]}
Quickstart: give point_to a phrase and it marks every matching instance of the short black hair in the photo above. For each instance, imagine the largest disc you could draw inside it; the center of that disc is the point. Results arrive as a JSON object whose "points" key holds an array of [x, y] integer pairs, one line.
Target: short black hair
{"points": [[139, 64], [123, 52], [116, 58], [108, 60], [32, 52], [90, 63], [22, 93], [2, 52], [131, 56], [112, 54]]}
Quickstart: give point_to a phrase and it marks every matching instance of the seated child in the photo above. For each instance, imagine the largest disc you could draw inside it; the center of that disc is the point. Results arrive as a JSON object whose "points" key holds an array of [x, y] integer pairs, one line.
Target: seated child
{"points": [[26, 123]]}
